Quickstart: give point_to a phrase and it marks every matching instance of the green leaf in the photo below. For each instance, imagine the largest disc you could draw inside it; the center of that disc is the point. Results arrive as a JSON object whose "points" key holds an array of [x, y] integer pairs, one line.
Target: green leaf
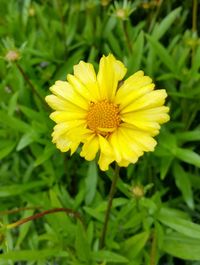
{"points": [[91, 182], [181, 246], [108, 256], [25, 140], [67, 67], [14, 123], [12, 104], [32, 255], [94, 213], [11, 190], [165, 24], [24, 229], [81, 244], [189, 136], [132, 246], [49, 150], [171, 212], [188, 156], [134, 221], [134, 62], [6, 148], [183, 183], [180, 225], [165, 164], [163, 54], [114, 43], [196, 61]]}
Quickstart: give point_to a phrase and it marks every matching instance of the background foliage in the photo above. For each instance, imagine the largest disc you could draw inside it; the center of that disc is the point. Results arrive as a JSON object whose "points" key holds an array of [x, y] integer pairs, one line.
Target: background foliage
{"points": [[156, 211]]}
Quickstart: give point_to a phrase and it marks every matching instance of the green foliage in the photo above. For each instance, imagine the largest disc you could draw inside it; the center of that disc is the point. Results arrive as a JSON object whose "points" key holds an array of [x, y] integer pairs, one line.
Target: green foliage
{"points": [[160, 227]]}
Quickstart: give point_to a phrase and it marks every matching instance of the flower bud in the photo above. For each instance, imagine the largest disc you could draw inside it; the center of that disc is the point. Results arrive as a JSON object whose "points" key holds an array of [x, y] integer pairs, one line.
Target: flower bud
{"points": [[138, 191], [12, 56]]}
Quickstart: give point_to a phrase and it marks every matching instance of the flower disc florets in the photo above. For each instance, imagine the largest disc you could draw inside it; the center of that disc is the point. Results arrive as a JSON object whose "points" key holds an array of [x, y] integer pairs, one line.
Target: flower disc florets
{"points": [[103, 117]]}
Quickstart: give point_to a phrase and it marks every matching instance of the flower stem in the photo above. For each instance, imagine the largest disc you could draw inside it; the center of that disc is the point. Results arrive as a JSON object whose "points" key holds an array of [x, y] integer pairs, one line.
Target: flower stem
{"points": [[19, 210], [153, 249], [110, 199], [60, 11], [194, 27], [194, 16], [38, 215], [128, 41], [29, 82], [155, 15]]}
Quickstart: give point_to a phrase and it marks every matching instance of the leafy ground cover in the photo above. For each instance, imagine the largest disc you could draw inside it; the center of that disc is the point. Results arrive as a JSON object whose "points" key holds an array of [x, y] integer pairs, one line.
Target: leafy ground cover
{"points": [[155, 218]]}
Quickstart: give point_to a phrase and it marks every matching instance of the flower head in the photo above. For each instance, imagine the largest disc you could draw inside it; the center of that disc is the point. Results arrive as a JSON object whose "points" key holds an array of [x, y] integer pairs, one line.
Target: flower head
{"points": [[138, 191], [123, 10], [12, 56], [116, 121]]}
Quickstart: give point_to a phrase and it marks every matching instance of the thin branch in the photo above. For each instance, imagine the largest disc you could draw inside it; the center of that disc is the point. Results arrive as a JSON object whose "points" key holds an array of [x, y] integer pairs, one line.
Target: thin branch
{"points": [[110, 199], [38, 215], [29, 82], [153, 249], [19, 210]]}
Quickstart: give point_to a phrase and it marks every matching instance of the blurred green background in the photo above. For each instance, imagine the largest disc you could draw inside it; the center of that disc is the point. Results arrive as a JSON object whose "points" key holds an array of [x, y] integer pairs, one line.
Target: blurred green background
{"points": [[156, 211]]}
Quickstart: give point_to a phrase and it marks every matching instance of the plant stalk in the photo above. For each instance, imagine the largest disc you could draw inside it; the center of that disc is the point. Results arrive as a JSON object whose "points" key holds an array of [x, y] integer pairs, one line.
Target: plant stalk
{"points": [[194, 27], [109, 206], [19, 210], [128, 41], [29, 82], [38, 215], [153, 249], [194, 15]]}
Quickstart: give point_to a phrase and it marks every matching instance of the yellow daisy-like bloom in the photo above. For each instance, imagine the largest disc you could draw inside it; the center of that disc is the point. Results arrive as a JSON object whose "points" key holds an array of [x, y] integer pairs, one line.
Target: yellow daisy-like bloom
{"points": [[117, 119]]}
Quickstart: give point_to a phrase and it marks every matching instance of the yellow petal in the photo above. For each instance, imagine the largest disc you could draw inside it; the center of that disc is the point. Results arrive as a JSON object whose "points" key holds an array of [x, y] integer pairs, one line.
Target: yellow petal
{"points": [[63, 144], [127, 152], [80, 88], [142, 140], [111, 71], [127, 134], [105, 146], [158, 115], [104, 161], [90, 148], [62, 116], [65, 91], [151, 127], [114, 141], [64, 127], [59, 104], [122, 148], [132, 88], [69, 136], [124, 163], [134, 95], [150, 100], [86, 74]]}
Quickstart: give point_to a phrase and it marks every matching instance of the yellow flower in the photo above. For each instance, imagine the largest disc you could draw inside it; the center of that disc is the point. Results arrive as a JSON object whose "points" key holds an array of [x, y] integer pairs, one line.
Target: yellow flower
{"points": [[118, 120]]}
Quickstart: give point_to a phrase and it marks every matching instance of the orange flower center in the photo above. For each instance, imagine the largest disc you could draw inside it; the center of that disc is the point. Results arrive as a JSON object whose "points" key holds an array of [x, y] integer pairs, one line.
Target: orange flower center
{"points": [[103, 117]]}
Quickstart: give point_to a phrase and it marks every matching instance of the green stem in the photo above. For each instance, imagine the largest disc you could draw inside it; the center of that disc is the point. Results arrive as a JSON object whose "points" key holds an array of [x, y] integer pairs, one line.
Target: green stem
{"points": [[194, 26], [128, 41], [19, 210], [38, 215], [29, 82], [194, 16], [156, 13], [60, 10], [109, 206], [153, 249]]}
